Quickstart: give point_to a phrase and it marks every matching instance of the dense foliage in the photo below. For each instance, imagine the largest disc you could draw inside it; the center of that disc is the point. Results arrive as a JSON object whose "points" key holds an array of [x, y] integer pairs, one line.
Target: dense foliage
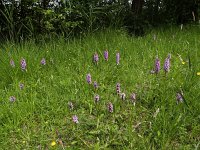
{"points": [[21, 19]]}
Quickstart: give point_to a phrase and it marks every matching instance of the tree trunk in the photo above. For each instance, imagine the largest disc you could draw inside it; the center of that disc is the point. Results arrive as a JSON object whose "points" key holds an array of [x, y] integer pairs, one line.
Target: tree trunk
{"points": [[137, 7]]}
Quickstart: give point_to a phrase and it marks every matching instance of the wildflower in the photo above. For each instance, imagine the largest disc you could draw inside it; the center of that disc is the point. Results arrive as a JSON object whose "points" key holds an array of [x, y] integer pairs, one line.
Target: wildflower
{"points": [[95, 85], [118, 85], [12, 99], [71, 106], [75, 119], [106, 55], [123, 96], [118, 88], [157, 66], [88, 78], [12, 63], [96, 98], [179, 98], [110, 107], [23, 64], [96, 58], [21, 86], [133, 97], [117, 58], [167, 64], [43, 61], [53, 143], [198, 73]]}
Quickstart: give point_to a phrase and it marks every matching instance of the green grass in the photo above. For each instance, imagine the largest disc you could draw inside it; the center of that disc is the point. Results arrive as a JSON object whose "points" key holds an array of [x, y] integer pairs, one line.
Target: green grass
{"points": [[41, 113]]}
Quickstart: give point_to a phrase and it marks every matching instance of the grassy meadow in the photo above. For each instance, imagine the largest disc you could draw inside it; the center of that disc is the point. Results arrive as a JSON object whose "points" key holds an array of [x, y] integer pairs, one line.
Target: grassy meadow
{"points": [[38, 102]]}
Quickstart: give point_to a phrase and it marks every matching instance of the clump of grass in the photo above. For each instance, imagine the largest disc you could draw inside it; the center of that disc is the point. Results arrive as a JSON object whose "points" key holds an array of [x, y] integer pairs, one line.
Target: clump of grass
{"points": [[55, 106]]}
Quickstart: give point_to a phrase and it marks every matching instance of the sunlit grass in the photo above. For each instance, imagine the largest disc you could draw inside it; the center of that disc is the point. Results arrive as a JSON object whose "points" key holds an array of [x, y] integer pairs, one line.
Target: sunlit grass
{"points": [[40, 116]]}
